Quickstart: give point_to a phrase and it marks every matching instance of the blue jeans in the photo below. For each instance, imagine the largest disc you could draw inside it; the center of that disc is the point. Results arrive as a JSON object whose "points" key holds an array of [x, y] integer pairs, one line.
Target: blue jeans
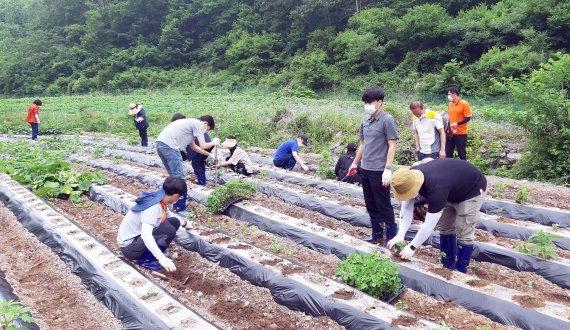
{"points": [[171, 159], [287, 161], [35, 130]]}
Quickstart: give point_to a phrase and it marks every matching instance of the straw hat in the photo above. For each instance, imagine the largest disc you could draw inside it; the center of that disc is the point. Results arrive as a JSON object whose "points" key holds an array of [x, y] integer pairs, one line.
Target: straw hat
{"points": [[134, 108], [229, 142], [407, 183]]}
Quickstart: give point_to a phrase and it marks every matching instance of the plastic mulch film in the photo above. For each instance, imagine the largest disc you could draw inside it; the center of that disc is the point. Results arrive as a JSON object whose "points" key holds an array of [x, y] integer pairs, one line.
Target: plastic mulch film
{"points": [[516, 232], [287, 292], [537, 214], [6, 293], [113, 296], [556, 273]]}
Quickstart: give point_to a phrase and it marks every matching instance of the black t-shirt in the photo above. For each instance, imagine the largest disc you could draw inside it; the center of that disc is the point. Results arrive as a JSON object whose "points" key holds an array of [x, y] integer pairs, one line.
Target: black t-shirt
{"points": [[450, 180], [341, 169]]}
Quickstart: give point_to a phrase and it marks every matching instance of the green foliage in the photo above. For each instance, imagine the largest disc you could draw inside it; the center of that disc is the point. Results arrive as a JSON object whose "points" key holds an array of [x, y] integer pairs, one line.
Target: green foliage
{"points": [[402, 305], [326, 165], [229, 192], [499, 191], [372, 273], [542, 245], [45, 173], [10, 312], [522, 195]]}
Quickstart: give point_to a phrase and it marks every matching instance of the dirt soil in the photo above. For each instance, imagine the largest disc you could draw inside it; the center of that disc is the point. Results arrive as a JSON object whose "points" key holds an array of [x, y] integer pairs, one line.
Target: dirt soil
{"points": [[214, 292], [540, 193], [43, 282]]}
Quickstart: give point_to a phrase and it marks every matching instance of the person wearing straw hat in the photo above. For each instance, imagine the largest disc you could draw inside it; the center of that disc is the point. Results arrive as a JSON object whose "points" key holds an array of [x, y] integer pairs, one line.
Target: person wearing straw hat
{"points": [[136, 110], [238, 160], [454, 191]]}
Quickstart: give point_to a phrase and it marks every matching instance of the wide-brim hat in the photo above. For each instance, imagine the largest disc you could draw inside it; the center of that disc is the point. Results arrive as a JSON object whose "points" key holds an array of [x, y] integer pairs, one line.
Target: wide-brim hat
{"points": [[229, 143], [134, 108], [406, 183]]}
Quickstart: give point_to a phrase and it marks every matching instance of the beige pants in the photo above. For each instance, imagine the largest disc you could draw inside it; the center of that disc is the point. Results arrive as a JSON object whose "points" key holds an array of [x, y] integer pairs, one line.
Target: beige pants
{"points": [[460, 219]]}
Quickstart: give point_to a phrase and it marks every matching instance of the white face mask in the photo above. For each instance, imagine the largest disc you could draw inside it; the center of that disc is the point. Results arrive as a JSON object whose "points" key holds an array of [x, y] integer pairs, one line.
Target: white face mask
{"points": [[369, 108], [450, 98]]}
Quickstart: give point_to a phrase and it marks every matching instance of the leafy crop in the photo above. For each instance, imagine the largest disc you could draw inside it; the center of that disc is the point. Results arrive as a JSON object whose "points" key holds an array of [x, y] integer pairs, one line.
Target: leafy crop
{"points": [[522, 195], [10, 312], [372, 273], [542, 247], [46, 173], [218, 200], [326, 166]]}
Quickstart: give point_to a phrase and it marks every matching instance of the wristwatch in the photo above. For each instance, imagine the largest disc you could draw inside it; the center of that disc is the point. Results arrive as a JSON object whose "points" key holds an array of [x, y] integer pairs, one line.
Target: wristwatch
{"points": [[413, 248], [388, 167]]}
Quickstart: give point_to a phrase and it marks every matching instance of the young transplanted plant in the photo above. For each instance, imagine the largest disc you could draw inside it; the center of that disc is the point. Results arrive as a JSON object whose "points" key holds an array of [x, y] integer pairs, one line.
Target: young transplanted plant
{"points": [[542, 247], [225, 195], [10, 312]]}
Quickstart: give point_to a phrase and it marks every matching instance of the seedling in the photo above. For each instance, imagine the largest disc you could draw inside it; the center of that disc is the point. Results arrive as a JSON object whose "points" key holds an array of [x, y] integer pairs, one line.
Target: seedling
{"points": [[288, 253], [11, 311], [402, 305], [222, 226], [276, 245], [263, 173], [371, 273], [499, 190], [555, 226], [485, 327], [444, 326], [440, 256], [530, 289], [210, 222], [522, 195], [543, 246]]}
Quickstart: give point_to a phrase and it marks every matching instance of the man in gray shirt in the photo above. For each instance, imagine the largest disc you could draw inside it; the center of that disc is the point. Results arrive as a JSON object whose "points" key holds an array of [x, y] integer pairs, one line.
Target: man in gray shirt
{"points": [[378, 137], [175, 137]]}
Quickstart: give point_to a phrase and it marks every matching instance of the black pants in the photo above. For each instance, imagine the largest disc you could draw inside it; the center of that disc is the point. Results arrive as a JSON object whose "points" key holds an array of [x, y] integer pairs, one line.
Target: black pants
{"points": [[239, 168], [456, 141], [144, 137], [199, 167], [288, 162], [377, 197], [35, 130], [422, 156], [163, 235]]}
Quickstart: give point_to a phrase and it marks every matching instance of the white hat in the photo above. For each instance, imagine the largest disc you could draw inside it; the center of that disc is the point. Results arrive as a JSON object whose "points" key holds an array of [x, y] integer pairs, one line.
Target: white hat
{"points": [[134, 108]]}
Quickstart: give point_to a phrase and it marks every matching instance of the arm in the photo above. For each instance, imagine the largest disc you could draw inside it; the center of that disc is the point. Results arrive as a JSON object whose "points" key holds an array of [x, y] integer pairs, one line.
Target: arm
{"points": [[234, 159], [359, 153], [300, 161], [406, 216], [199, 150], [149, 242], [417, 137], [205, 145], [442, 141], [391, 152], [426, 229], [466, 119]]}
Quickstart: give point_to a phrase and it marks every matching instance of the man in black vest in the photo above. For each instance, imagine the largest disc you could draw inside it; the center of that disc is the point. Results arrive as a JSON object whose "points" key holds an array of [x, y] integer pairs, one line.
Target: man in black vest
{"points": [[343, 164]]}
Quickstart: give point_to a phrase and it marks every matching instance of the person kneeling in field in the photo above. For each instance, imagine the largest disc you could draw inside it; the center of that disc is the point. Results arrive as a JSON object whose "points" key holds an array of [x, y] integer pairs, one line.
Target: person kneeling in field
{"points": [[149, 227], [238, 160], [454, 191]]}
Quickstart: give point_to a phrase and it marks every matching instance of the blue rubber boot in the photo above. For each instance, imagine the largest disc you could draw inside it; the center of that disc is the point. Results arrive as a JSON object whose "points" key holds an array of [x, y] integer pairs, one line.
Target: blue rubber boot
{"points": [[448, 245], [464, 252], [148, 261], [180, 205], [201, 177], [377, 232]]}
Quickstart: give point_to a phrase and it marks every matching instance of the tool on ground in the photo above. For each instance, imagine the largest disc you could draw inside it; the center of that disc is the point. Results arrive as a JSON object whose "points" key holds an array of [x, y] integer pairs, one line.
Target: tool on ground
{"points": [[216, 161], [166, 278]]}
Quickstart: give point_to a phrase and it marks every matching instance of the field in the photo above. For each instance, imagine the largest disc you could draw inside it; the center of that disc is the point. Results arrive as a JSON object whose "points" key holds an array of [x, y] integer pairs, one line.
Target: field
{"points": [[270, 262]]}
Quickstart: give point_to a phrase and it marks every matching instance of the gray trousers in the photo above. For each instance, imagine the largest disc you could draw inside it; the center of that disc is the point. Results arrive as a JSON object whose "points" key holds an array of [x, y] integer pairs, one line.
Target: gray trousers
{"points": [[460, 219]]}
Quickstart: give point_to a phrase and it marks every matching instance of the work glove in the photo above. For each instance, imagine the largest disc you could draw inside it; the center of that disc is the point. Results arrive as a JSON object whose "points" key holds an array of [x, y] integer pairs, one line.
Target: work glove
{"points": [[386, 177], [407, 252], [216, 141], [352, 169], [394, 241], [167, 264], [305, 167]]}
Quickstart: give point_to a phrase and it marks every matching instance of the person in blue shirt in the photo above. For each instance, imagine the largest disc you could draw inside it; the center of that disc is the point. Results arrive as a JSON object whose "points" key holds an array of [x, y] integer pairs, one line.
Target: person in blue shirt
{"points": [[287, 155]]}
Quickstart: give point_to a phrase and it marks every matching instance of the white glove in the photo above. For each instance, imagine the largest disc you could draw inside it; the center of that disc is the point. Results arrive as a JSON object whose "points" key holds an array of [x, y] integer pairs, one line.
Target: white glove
{"points": [[216, 141], [394, 241], [407, 252], [386, 177], [167, 264], [305, 167]]}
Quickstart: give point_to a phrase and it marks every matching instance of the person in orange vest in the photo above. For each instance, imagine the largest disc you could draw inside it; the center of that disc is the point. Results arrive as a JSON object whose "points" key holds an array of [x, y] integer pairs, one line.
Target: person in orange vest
{"points": [[33, 118], [459, 112]]}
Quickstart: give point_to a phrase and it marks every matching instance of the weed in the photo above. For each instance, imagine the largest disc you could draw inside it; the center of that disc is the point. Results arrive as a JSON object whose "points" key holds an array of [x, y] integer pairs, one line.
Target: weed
{"points": [[402, 305], [371, 273], [326, 166], [288, 253], [222, 226], [11, 311], [499, 190], [542, 247], [522, 195], [210, 222], [555, 226]]}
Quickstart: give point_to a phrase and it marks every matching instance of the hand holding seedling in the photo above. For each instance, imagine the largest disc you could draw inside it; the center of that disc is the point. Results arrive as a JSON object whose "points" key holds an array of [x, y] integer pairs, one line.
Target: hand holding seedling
{"points": [[394, 241]]}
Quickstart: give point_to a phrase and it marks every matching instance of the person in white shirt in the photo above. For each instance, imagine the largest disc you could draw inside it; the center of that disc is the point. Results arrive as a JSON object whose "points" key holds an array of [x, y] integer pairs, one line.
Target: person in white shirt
{"points": [[238, 160], [428, 131], [149, 227]]}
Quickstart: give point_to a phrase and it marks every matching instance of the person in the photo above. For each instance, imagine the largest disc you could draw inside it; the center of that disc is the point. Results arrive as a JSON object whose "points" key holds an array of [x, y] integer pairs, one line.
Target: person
{"points": [[174, 138], [343, 164], [33, 118], [454, 191], [459, 112], [177, 116], [287, 155], [376, 149], [198, 160], [141, 123], [149, 227], [238, 160], [428, 131]]}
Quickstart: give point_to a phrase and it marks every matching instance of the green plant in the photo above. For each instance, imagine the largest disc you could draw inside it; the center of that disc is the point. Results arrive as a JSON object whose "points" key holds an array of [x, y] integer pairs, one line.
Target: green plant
{"points": [[499, 190], [228, 193], [262, 173], [485, 327], [542, 245], [210, 222], [11, 311], [522, 195], [371, 273], [555, 226], [326, 166], [440, 256], [530, 289], [402, 305], [276, 245], [444, 326]]}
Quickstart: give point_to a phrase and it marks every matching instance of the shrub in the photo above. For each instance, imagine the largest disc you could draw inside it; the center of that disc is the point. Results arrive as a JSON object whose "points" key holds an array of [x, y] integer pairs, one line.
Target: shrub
{"points": [[372, 273], [222, 196]]}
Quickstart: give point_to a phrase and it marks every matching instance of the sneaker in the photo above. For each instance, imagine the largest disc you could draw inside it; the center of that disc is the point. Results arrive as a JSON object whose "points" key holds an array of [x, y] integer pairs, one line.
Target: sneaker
{"points": [[152, 265]]}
